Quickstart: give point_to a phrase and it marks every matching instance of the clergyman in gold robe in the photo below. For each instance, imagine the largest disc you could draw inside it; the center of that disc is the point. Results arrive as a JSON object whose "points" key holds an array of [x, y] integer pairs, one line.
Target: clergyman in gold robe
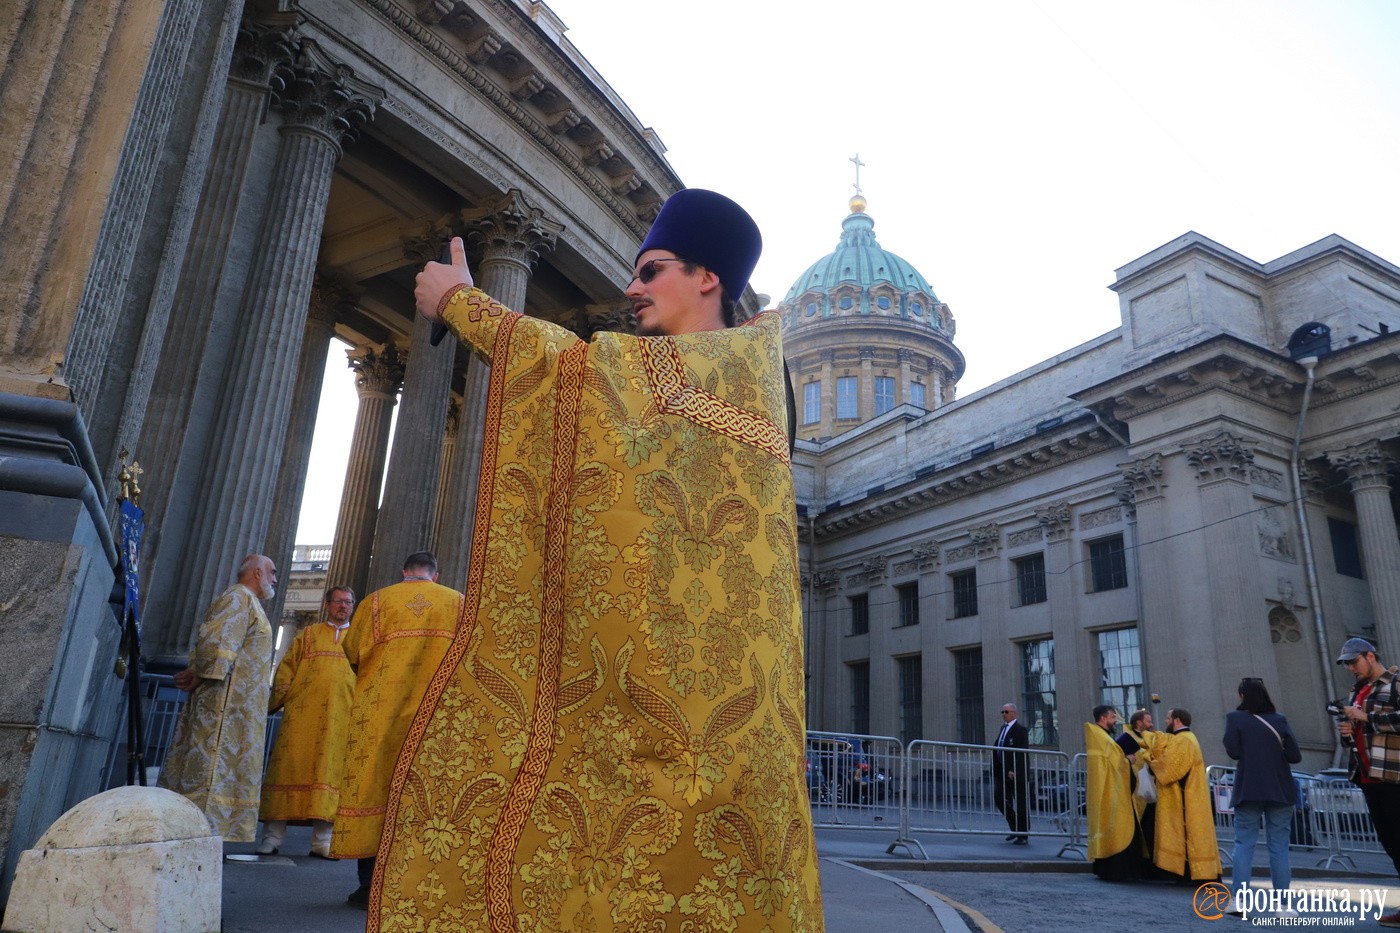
{"points": [[1185, 826], [1114, 838], [216, 755], [615, 740], [314, 687], [396, 640]]}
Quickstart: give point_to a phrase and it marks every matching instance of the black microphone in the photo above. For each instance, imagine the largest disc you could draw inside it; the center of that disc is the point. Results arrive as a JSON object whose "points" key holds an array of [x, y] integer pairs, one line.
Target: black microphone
{"points": [[439, 328]]}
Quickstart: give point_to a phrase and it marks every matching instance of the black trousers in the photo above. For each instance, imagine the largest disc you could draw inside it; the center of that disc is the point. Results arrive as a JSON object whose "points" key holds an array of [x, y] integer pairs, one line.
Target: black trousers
{"points": [[365, 869], [1009, 794], [1383, 800]]}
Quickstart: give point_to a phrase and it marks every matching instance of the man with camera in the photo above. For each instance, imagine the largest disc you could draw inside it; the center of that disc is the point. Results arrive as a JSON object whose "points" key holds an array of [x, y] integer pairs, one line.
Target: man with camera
{"points": [[1371, 729]]}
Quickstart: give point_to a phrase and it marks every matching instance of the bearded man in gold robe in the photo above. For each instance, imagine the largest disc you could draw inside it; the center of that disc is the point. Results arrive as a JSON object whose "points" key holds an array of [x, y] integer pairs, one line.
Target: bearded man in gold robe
{"points": [[216, 756], [1184, 829], [1114, 837], [314, 687], [396, 641], [615, 739]]}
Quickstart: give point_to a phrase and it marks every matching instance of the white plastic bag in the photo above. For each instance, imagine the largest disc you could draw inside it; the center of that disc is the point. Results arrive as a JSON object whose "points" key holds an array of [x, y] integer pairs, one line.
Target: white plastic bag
{"points": [[1147, 785]]}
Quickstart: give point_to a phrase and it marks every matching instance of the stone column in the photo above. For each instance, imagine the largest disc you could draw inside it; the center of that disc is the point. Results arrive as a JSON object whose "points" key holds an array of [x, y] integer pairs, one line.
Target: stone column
{"points": [[828, 393], [1367, 469], [935, 388], [1074, 657], [511, 234], [258, 54], [377, 378], [865, 396], [1144, 479], [410, 492], [1228, 554], [449, 444], [323, 103], [326, 297], [906, 378]]}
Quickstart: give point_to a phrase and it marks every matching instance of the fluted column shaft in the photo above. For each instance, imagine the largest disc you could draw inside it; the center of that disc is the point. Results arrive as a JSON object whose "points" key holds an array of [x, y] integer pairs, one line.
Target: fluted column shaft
{"points": [[378, 378], [827, 394], [505, 280], [169, 437], [250, 422], [1367, 468], [511, 233], [296, 451], [410, 492]]}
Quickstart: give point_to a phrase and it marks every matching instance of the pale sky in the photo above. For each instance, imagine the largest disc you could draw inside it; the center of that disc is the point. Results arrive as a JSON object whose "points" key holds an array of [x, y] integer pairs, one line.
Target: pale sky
{"points": [[1017, 151]]}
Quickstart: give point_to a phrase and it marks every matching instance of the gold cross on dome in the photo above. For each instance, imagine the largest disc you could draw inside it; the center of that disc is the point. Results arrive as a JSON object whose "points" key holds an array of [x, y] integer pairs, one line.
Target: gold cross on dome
{"points": [[856, 159]]}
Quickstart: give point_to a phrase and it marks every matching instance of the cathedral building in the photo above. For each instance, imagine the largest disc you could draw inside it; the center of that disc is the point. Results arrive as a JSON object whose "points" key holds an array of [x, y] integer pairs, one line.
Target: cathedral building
{"points": [[1202, 494], [198, 198]]}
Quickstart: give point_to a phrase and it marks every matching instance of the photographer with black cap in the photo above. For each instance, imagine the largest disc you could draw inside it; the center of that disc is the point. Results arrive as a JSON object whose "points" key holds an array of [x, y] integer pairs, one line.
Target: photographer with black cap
{"points": [[1371, 730]]}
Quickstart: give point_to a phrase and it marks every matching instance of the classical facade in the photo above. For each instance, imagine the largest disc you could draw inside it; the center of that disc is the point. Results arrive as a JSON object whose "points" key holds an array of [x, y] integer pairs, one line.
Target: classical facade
{"points": [[187, 221], [1202, 494]]}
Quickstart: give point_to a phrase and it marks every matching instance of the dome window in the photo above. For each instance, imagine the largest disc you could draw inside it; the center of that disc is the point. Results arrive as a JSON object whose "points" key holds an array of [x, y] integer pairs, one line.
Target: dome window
{"points": [[884, 302], [811, 308], [916, 309], [846, 302]]}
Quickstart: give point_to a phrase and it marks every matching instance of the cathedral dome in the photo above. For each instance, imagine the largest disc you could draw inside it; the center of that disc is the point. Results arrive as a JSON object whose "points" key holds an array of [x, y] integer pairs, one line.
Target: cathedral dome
{"points": [[862, 277], [864, 334]]}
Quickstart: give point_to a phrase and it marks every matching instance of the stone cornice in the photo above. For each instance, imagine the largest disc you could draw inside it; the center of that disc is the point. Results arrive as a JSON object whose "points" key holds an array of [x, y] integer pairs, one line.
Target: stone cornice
{"points": [[634, 209], [963, 480]]}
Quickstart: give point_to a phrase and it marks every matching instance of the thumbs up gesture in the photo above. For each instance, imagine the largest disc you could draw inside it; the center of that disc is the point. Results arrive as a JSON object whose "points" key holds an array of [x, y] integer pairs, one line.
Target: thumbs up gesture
{"points": [[438, 278]]}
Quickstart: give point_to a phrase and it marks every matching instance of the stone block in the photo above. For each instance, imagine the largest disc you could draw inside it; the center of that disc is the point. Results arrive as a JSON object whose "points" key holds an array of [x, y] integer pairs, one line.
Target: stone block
{"points": [[135, 859]]}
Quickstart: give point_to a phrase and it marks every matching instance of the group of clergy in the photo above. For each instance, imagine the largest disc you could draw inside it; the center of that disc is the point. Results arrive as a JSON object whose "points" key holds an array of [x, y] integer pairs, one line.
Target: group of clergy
{"points": [[348, 690], [1148, 800]]}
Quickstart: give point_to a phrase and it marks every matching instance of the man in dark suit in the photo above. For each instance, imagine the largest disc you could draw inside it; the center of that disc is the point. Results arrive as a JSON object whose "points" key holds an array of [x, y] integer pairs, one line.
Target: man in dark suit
{"points": [[1009, 775]]}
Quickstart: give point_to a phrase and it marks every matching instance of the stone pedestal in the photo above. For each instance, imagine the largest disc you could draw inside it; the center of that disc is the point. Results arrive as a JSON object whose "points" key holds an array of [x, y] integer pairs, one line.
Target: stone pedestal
{"points": [[134, 859]]}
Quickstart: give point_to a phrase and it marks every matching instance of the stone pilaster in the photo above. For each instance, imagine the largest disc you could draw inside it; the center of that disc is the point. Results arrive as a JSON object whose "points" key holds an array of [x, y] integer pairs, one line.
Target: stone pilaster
{"points": [[449, 445], [1367, 468], [171, 441], [322, 104], [1144, 483], [327, 297], [510, 235], [827, 393], [906, 379], [410, 491], [377, 379], [1228, 553]]}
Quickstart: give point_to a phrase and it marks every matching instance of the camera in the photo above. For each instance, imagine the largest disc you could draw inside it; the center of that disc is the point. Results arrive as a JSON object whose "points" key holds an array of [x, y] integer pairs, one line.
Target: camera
{"points": [[1336, 709]]}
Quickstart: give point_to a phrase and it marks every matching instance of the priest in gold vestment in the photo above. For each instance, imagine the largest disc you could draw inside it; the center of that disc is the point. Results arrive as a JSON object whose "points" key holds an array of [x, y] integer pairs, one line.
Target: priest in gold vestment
{"points": [[216, 755], [397, 638], [615, 740], [1114, 839], [1185, 827], [314, 687]]}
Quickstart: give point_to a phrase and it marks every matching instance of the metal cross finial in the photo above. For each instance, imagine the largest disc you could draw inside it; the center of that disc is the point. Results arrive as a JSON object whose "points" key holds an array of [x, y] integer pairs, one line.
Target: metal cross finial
{"points": [[859, 163]]}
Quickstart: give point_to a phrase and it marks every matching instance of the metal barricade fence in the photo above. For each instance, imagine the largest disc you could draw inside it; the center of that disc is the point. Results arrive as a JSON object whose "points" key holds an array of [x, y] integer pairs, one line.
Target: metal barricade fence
{"points": [[161, 701], [854, 781], [950, 787]]}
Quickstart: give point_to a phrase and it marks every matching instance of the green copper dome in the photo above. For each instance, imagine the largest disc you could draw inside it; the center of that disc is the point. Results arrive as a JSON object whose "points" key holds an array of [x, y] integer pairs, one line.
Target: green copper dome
{"points": [[861, 277]]}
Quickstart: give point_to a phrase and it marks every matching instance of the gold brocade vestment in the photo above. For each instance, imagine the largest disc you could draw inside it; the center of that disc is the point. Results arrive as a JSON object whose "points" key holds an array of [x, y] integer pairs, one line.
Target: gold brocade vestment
{"points": [[396, 640], [216, 755], [1185, 827], [615, 740], [314, 687], [1112, 818]]}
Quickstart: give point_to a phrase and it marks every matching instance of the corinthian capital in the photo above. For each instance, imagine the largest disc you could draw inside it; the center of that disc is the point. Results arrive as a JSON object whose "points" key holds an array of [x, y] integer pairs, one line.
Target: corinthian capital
{"points": [[1220, 456], [1144, 477], [511, 228], [324, 95], [1366, 466], [331, 295], [261, 51], [1054, 519], [376, 372]]}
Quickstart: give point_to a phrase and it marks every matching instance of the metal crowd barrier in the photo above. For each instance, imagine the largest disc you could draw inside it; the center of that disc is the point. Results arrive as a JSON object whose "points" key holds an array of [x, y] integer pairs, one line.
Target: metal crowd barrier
{"points": [[1331, 814], [161, 701]]}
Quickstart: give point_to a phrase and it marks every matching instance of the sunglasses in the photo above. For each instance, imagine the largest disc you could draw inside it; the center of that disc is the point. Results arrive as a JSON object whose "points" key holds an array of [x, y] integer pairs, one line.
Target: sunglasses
{"points": [[648, 270]]}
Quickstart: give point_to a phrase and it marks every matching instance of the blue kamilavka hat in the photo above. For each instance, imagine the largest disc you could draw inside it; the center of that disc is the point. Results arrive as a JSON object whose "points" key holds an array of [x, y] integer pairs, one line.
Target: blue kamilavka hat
{"points": [[709, 229]]}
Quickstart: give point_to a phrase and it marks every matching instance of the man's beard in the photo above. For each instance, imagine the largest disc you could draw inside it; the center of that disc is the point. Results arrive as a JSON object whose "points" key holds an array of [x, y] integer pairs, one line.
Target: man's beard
{"points": [[267, 592]]}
